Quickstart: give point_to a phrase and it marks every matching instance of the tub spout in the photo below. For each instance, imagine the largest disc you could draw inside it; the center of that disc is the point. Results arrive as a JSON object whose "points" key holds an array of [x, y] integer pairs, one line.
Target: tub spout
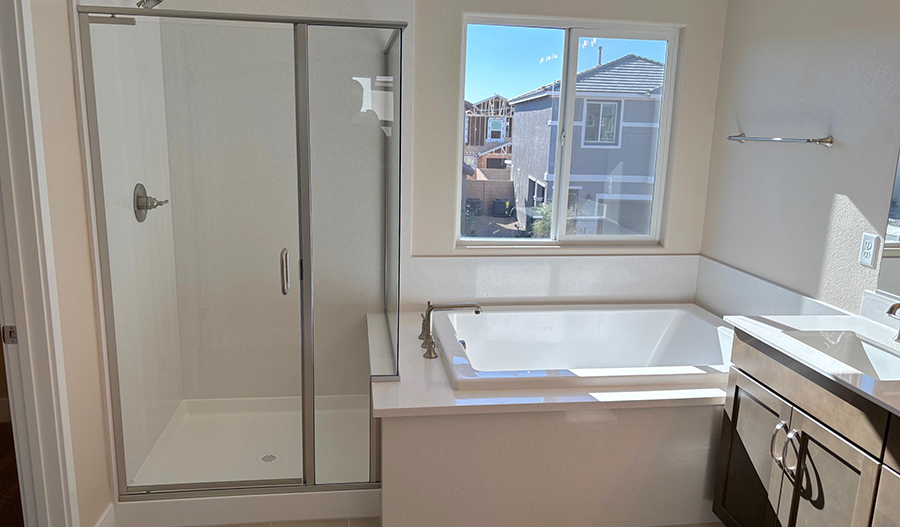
{"points": [[427, 334]]}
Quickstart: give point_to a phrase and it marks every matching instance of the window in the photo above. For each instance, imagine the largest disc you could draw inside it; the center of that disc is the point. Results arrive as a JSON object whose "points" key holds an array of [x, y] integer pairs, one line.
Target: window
{"points": [[607, 88], [495, 131], [601, 122]]}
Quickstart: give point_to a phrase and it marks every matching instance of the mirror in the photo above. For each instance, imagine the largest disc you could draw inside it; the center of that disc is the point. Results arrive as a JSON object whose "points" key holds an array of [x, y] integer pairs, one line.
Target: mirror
{"points": [[889, 275]]}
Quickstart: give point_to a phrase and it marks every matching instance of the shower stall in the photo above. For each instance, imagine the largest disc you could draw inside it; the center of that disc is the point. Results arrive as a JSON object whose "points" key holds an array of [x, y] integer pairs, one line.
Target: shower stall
{"points": [[246, 193]]}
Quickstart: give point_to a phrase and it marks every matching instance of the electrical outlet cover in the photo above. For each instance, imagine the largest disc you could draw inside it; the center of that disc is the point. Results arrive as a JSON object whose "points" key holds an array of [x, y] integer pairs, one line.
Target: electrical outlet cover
{"points": [[868, 250]]}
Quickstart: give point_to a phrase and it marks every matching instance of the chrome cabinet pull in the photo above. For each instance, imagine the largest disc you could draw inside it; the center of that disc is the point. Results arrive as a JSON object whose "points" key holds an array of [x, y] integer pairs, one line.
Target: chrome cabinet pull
{"points": [[790, 471], [285, 272], [778, 460]]}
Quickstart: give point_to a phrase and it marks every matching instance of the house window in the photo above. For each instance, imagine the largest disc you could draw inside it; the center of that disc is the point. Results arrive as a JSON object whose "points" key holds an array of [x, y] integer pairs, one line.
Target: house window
{"points": [[601, 123], [495, 129], [539, 193], [614, 100], [504, 173]]}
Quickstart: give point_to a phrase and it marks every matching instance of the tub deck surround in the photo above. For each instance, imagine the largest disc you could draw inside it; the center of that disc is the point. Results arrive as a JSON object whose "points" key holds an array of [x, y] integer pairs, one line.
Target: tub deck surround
{"points": [[593, 345], [426, 389], [881, 384]]}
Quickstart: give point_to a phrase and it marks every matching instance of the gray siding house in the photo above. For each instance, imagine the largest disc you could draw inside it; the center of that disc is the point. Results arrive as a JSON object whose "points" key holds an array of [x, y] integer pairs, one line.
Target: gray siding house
{"points": [[614, 143]]}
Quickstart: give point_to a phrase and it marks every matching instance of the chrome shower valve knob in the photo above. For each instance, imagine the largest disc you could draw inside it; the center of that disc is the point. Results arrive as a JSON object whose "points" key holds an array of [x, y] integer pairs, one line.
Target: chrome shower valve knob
{"points": [[143, 202], [150, 203]]}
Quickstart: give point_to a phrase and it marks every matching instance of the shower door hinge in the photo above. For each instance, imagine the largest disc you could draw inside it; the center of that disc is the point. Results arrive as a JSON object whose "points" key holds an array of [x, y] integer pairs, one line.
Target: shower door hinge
{"points": [[10, 335]]}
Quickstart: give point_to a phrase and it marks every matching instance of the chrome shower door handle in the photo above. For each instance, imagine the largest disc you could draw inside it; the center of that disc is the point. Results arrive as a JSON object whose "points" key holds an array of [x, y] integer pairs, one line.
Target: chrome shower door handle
{"points": [[285, 272]]}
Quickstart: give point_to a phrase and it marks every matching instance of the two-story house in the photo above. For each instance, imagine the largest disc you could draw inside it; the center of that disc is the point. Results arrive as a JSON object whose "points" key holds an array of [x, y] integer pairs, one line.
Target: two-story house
{"points": [[614, 141], [488, 133]]}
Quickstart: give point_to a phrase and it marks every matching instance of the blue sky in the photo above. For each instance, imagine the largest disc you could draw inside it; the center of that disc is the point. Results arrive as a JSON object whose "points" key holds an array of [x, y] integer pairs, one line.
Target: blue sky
{"points": [[512, 60]]}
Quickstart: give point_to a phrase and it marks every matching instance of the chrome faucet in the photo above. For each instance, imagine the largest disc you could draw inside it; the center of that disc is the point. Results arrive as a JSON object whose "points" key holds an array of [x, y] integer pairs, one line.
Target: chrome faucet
{"points": [[892, 312], [427, 335]]}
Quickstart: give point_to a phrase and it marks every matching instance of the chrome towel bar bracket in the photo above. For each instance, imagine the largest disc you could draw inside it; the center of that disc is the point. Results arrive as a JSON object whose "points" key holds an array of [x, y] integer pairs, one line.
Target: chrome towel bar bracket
{"points": [[827, 142]]}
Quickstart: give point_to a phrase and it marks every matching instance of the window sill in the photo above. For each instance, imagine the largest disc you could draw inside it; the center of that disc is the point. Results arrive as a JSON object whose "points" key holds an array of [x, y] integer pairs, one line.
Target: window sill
{"points": [[556, 248]]}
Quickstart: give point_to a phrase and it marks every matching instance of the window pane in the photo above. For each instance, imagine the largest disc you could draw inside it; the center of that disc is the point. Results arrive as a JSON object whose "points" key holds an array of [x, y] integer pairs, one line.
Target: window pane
{"points": [[511, 109], [893, 227], [592, 123], [608, 123], [612, 168]]}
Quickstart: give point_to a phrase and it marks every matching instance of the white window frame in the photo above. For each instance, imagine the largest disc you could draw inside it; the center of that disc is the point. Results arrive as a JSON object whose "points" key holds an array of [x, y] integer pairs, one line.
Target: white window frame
{"points": [[490, 123], [617, 139], [576, 29], [537, 184]]}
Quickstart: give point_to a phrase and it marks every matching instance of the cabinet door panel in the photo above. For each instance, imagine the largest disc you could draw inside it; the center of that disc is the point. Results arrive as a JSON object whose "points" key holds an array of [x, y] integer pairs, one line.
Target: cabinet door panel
{"points": [[887, 505], [833, 483], [749, 481]]}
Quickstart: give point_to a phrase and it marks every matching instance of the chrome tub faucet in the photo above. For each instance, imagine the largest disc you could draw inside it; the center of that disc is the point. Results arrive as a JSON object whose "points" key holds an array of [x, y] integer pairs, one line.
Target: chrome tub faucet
{"points": [[427, 335]]}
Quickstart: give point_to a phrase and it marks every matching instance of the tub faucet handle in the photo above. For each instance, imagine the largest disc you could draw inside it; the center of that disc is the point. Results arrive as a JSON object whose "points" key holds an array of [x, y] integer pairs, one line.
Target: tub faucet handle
{"points": [[424, 332]]}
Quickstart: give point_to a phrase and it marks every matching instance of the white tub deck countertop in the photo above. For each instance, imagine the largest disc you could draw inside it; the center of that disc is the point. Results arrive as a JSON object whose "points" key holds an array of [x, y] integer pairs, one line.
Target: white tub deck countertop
{"points": [[425, 390]]}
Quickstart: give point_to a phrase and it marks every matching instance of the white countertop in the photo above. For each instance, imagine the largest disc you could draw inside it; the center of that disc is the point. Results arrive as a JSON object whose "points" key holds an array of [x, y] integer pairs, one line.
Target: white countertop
{"points": [[770, 330], [425, 389]]}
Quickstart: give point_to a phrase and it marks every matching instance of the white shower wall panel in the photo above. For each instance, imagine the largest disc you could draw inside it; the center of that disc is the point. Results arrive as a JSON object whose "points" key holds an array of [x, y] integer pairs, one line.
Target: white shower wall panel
{"points": [[132, 130], [232, 144]]}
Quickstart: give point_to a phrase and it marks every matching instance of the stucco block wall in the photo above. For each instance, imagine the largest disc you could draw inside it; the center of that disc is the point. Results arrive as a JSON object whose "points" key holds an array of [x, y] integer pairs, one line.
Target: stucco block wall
{"points": [[487, 192], [531, 156]]}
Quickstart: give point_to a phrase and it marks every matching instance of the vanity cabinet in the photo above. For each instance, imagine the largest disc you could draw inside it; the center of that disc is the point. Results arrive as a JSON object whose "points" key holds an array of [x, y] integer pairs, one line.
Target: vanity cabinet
{"points": [[750, 476], [780, 467], [797, 451]]}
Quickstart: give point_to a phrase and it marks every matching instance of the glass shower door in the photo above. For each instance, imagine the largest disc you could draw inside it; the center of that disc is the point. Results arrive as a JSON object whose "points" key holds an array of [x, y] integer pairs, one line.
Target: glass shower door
{"points": [[354, 193], [203, 321]]}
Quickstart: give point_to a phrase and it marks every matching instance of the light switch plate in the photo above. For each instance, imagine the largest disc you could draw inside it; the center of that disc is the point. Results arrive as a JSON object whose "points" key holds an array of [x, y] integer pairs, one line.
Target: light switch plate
{"points": [[868, 250]]}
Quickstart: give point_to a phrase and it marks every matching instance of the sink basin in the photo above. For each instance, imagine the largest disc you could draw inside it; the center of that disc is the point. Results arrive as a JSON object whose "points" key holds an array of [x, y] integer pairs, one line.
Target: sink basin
{"points": [[854, 350]]}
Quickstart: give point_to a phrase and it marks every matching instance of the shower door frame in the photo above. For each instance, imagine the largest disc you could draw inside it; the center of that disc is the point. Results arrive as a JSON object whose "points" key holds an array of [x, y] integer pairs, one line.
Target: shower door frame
{"points": [[97, 14]]}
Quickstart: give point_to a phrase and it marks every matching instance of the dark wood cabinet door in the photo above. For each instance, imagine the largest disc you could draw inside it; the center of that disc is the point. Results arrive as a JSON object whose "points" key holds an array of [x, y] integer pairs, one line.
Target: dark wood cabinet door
{"points": [[755, 425], [887, 504], [831, 482]]}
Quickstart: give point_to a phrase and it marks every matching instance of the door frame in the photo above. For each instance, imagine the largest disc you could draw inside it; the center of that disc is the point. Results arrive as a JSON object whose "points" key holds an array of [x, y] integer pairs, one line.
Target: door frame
{"points": [[85, 15], [34, 365]]}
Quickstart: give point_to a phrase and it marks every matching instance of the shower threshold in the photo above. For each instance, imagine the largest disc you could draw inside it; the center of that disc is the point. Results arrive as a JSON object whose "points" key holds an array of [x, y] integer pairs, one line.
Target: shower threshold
{"points": [[249, 439]]}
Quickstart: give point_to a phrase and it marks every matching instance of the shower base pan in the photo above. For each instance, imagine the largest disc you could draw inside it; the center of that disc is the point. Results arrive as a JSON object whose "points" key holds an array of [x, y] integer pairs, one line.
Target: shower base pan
{"points": [[216, 440]]}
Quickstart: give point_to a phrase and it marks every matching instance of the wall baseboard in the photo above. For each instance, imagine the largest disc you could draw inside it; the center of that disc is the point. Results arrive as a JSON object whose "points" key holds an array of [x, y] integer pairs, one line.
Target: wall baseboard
{"points": [[108, 519]]}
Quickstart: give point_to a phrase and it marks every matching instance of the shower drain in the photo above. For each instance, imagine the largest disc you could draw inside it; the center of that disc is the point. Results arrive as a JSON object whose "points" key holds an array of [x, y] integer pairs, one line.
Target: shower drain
{"points": [[267, 458]]}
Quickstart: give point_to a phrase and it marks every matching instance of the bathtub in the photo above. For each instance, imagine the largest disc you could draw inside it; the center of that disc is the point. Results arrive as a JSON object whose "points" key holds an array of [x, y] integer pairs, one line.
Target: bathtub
{"points": [[572, 346]]}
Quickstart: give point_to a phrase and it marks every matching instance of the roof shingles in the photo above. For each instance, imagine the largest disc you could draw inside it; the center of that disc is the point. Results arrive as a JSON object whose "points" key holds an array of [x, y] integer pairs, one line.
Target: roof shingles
{"points": [[629, 74]]}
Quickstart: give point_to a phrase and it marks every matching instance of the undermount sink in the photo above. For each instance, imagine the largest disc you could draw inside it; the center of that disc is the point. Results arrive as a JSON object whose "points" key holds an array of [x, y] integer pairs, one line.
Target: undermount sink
{"points": [[852, 349]]}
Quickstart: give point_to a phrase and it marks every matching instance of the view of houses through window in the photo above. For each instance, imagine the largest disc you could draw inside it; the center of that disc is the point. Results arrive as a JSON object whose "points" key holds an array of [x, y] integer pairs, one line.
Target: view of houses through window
{"points": [[513, 88]]}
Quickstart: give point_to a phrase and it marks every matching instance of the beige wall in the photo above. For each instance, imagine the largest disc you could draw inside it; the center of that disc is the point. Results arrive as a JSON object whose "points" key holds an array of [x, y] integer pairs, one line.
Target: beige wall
{"points": [[72, 253], [794, 214], [437, 110]]}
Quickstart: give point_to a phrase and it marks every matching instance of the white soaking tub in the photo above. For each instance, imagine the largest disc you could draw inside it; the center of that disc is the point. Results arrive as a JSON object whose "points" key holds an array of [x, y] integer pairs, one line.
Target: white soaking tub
{"points": [[571, 346]]}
